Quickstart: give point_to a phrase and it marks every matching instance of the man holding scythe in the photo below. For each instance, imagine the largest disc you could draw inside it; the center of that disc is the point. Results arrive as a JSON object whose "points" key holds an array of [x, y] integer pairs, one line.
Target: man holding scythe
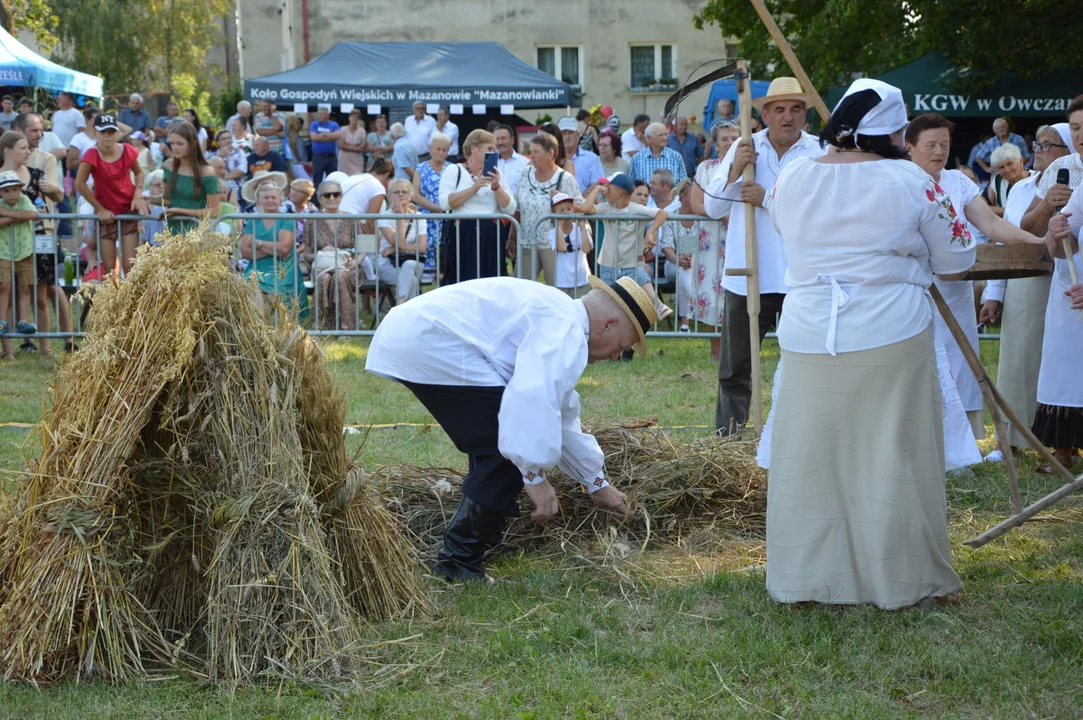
{"points": [[783, 110]]}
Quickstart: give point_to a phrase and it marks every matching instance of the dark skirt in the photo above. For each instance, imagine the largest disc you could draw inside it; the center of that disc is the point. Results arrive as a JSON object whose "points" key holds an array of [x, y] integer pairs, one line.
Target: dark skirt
{"points": [[473, 249], [1058, 426]]}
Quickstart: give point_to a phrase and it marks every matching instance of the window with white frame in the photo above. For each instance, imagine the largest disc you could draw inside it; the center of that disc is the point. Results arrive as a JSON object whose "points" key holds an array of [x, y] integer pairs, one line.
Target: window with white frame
{"points": [[652, 65], [564, 62]]}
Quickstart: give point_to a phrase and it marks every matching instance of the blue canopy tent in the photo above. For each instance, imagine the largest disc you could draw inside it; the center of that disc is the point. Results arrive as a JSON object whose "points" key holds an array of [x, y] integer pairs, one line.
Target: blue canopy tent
{"points": [[727, 90], [22, 67]]}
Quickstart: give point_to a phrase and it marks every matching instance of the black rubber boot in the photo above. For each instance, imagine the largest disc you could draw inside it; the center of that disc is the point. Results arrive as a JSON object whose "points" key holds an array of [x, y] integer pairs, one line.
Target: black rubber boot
{"points": [[472, 530]]}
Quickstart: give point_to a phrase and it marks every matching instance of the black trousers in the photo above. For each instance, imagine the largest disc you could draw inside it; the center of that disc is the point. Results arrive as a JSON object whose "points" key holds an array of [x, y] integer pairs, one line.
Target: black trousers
{"points": [[322, 166], [469, 417], [735, 363]]}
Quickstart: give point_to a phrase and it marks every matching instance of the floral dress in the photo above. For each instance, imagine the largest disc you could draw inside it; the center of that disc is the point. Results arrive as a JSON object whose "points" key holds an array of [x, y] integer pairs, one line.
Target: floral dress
{"points": [[430, 188], [710, 260]]}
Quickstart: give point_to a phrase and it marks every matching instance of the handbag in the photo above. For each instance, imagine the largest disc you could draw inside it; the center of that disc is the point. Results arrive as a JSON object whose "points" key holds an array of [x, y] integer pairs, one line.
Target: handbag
{"points": [[330, 259]]}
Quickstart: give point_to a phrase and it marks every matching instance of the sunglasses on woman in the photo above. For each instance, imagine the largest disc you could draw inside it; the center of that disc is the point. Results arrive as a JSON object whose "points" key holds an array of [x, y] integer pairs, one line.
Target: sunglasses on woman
{"points": [[331, 195]]}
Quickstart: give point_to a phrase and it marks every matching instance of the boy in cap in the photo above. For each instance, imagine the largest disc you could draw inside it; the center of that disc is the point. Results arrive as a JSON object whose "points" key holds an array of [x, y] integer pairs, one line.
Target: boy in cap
{"points": [[571, 242], [622, 253], [16, 256]]}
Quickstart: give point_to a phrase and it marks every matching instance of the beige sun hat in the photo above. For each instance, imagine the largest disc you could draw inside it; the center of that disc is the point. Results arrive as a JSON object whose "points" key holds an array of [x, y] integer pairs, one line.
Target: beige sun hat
{"points": [[782, 88], [634, 301], [248, 190]]}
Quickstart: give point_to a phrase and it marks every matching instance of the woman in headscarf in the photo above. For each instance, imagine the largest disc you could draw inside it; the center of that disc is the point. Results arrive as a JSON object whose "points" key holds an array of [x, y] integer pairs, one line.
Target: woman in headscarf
{"points": [[856, 500]]}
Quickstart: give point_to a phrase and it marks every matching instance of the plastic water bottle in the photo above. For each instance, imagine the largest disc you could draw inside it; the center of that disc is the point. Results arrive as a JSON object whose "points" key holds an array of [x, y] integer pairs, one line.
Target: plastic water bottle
{"points": [[69, 268]]}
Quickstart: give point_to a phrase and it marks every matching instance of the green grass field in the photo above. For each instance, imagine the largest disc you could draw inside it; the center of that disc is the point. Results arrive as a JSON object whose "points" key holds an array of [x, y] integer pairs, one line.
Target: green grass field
{"points": [[683, 634]]}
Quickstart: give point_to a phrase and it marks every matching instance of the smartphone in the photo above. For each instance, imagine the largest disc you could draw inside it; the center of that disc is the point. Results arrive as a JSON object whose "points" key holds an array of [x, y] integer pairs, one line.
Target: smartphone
{"points": [[490, 162]]}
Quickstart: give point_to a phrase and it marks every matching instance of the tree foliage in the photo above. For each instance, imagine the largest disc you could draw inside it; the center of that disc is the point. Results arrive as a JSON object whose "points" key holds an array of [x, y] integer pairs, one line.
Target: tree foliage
{"points": [[39, 18], [145, 45], [836, 38]]}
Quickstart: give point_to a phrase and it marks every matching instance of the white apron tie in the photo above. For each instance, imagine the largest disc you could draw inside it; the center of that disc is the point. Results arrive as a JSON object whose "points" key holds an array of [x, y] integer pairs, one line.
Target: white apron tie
{"points": [[839, 299]]}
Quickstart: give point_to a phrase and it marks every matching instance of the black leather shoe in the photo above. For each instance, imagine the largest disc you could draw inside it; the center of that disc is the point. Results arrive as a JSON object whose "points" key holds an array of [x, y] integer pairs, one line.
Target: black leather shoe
{"points": [[471, 532]]}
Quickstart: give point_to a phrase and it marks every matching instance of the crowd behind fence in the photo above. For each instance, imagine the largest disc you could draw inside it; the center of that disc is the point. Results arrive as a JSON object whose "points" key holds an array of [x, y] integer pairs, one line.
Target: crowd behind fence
{"points": [[314, 286]]}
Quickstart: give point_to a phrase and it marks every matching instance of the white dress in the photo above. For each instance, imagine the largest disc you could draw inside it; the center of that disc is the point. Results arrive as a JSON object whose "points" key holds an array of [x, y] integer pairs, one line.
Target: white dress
{"points": [[959, 295], [1060, 381]]}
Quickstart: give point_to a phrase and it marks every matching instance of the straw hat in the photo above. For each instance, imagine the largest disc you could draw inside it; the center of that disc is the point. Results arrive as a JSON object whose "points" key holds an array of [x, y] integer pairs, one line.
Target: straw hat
{"points": [[248, 191], [782, 88], [634, 301]]}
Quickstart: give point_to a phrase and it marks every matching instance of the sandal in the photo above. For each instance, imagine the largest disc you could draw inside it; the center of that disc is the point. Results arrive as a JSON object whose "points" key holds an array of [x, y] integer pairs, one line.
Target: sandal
{"points": [[9, 356]]}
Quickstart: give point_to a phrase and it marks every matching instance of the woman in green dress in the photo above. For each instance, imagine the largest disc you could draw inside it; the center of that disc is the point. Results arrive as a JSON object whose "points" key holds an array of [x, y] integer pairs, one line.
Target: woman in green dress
{"points": [[269, 248], [191, 186]]}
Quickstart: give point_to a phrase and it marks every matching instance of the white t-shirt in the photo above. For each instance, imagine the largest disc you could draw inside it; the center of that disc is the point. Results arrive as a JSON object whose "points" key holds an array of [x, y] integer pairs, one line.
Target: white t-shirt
{"points": [[50, 141], [66, 123], [862, 242], [413, 226], [358, 192], [572, 267], [82, 142], [630, 144]]}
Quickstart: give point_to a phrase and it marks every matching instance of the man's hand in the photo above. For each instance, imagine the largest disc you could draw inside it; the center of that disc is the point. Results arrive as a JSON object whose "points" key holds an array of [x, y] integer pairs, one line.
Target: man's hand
{"points": [[544, 498], [1058, 226], [990, 312], [611, 498], [1057, 197], [1076, 294], [753, 194], [742, 156]]}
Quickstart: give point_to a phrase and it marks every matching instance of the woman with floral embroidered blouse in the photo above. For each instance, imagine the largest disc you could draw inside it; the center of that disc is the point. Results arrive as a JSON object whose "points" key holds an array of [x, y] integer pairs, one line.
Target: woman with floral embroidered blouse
{"points": [[928, 140], [855, 496]]}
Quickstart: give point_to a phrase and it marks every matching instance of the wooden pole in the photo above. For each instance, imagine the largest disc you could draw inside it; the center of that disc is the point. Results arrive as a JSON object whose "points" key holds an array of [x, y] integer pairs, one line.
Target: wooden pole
{"points": [[791, 59], [752, 256], [990, 397], [1021, 517]]}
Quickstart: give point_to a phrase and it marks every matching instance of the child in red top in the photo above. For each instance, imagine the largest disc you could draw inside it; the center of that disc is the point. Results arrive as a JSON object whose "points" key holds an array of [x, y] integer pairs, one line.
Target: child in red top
{"points": [[113, 166]]}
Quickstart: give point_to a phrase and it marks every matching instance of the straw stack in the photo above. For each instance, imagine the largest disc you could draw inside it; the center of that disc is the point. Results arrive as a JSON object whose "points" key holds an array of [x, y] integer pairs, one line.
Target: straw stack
{"points": [[193, 505], [679, 488]]}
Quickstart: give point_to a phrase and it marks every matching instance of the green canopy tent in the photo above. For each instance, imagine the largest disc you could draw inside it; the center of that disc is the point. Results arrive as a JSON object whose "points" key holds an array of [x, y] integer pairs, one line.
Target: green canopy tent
{"points": [[926, 86]]}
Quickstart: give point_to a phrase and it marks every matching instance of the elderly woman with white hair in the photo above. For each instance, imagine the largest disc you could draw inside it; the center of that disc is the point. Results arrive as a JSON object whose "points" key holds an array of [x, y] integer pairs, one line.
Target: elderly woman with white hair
{"points": [[403, 243], [427, 190], [1009, 169]]}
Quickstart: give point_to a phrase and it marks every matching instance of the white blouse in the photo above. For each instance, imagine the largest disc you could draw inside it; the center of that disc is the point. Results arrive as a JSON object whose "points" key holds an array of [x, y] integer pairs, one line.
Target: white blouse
{"points": [[457, 177], [413, 226], [524, 336], [862, 242]]}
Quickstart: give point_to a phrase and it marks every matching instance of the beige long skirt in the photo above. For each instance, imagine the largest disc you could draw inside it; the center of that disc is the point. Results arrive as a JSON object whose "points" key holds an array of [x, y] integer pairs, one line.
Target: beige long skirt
{"points": [[1021, 331], [856, 509]]}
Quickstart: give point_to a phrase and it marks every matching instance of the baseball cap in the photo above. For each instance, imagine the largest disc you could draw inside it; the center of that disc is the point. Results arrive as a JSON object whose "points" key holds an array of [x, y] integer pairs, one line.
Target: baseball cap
{"points": [[613, 122], [105, 122], [9, 178], [623, 181], [561, 197], [567, 123]]}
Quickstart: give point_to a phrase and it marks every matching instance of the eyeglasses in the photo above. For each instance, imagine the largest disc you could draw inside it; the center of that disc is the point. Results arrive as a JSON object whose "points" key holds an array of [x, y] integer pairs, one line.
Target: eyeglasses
{"points": [[331, 195], [1046, 145]]}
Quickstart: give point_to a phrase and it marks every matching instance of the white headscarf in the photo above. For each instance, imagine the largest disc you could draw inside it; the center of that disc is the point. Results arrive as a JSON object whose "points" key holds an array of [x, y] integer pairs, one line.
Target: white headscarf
{"points": [[1065, 131], [883, 118]]}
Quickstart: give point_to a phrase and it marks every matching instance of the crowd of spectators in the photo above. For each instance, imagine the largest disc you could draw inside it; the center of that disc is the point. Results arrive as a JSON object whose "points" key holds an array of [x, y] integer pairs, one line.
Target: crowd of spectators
{"points": [[179, 171]]}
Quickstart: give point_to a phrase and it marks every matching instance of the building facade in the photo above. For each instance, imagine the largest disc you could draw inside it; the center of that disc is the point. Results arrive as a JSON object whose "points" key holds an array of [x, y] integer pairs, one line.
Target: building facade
{"points": [[629, 54]]}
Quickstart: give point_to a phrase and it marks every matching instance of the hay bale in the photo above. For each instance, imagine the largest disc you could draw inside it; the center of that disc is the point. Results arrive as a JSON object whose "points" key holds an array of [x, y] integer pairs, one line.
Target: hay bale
{"points": [[178, 515], [678, 488]]}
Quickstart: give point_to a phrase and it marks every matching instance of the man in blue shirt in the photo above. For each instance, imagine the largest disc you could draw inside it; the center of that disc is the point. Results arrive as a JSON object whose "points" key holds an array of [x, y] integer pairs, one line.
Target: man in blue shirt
{"points": [[172, 115], [686, 144], [135, 117], [1002, 135], [588, 167], [324, 133], [657, 155], [404, 156]]}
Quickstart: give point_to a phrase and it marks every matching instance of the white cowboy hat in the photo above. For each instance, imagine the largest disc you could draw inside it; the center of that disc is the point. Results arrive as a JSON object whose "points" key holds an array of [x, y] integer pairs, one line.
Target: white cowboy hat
{"points": [[635, 303], [782, 88], [248, 191]]}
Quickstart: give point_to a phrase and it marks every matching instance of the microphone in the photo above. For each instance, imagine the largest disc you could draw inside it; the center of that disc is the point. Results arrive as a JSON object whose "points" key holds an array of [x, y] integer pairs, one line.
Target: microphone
{"points": [[1062, 179]]}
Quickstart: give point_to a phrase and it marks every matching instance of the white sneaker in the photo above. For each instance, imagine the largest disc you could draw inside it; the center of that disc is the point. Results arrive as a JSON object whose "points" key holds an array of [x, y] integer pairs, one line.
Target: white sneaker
{"points": [[663, 310], [994, 457], [684, 328]]}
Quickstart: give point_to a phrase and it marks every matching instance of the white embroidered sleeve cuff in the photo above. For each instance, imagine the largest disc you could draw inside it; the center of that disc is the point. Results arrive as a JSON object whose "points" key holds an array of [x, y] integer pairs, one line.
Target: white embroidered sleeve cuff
{"points": [[532, 478], [596, 484]]}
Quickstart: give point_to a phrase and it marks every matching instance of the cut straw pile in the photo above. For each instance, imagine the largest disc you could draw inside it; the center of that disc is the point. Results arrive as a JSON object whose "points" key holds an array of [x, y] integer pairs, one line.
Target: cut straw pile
{"points": [[681, 490], [192, 505]]}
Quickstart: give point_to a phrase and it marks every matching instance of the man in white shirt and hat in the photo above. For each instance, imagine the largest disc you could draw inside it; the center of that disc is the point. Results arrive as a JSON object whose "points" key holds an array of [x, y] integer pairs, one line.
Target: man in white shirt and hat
{"points": [[496, 362], [783, 110]]}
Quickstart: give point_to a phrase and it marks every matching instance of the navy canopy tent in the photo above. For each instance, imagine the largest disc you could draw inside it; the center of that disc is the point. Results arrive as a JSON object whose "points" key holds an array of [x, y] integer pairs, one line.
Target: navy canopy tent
{"points": [[397, 74]]}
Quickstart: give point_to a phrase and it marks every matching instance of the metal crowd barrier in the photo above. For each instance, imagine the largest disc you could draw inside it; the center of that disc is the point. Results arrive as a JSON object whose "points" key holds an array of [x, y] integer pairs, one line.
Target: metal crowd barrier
{"points": [[59, 269]]}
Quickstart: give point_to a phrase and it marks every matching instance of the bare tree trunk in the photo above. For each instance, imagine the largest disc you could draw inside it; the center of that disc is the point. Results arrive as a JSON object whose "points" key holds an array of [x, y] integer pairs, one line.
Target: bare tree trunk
{"points": [[7, 16]]}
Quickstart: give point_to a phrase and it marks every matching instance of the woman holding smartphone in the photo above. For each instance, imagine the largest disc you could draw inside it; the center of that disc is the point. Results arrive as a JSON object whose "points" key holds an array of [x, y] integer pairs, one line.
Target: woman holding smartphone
{"points": [[476, 248]]}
